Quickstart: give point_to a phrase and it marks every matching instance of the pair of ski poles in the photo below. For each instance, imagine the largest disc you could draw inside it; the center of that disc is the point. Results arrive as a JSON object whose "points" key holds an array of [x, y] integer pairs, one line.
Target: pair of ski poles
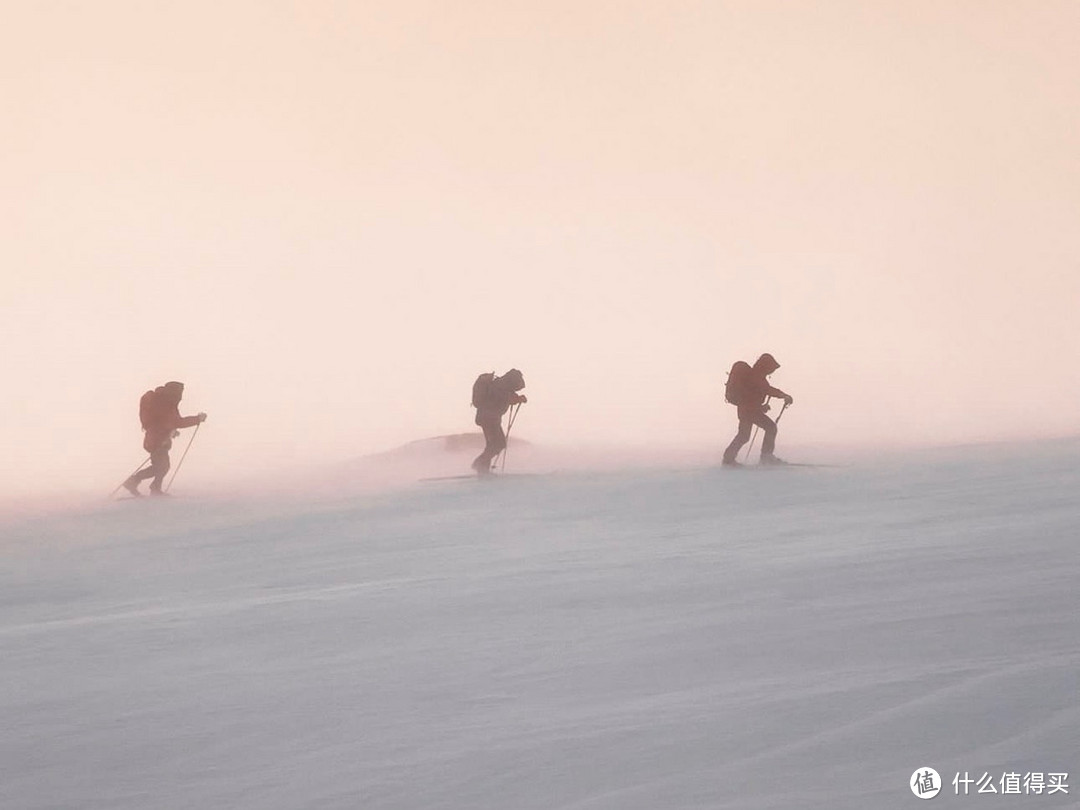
{"points": [[179, 464], [753, 436], [501, 461]]}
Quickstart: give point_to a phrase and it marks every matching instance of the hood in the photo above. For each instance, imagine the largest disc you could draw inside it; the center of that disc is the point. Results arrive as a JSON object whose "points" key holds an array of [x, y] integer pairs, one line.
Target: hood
{"points": [[766, 364], [514, 380], [173, 390]]}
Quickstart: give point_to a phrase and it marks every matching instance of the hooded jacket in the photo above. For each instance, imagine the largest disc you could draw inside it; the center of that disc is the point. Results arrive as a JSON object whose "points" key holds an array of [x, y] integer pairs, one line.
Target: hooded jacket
{"points": [[756, 387], [160, 414], [501, 394]]}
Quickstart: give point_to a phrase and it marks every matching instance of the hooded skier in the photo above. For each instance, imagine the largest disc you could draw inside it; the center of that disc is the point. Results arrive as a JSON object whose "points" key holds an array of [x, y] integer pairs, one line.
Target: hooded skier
{"points": [[748, 387], [159, 412], [492, 397]]}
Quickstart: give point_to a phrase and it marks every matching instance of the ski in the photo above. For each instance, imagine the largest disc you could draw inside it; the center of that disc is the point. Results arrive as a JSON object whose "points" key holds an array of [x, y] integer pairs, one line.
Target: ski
{"points": [[475, 477], [801, 464], [146, 497]]}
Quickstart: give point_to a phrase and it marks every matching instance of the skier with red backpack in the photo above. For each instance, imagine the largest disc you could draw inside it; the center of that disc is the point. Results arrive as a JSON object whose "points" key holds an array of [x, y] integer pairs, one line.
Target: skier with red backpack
{"points": [[492, 396], [748, 388], [159, 413]]}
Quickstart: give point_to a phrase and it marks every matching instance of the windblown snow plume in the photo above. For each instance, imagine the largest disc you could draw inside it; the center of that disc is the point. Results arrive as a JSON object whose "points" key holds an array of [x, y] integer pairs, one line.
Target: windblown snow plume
{"points": [[622, 640]]}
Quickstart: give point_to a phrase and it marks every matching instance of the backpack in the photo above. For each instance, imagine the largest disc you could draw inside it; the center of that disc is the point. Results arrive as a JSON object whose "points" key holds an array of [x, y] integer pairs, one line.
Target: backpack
{"points": [[147, 404], [482, 389], [735, 387]]}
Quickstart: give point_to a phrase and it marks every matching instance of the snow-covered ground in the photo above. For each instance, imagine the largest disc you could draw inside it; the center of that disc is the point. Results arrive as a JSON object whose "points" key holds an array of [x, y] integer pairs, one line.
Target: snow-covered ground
{"points": [[653, 639]]}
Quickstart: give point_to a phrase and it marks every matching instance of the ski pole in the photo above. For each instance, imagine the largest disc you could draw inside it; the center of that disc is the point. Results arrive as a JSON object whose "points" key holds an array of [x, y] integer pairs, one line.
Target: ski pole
{"points": [[137, 469], [777, 422], [180, 463], [753, 436], [509, 427], [750, 446]]}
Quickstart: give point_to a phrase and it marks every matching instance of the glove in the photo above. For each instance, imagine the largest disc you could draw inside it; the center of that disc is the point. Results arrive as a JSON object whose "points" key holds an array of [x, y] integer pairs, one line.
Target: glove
{"points": [[522, 398], [175, 434], [788, 400], [202, 418]]}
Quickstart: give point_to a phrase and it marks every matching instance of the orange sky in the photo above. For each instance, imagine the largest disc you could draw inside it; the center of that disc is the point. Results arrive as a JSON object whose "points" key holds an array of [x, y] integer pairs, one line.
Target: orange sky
{"points": [[327, 217]]}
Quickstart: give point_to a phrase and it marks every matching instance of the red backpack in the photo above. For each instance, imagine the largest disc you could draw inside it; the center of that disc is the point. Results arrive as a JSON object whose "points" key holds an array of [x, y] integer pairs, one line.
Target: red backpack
{"points": [[481, 389], [148, 404], [735, 390]]}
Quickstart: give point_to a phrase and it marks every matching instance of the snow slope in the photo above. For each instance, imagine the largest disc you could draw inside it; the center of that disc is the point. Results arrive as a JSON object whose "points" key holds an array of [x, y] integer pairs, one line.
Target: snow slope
{"points": [[646, 639]]}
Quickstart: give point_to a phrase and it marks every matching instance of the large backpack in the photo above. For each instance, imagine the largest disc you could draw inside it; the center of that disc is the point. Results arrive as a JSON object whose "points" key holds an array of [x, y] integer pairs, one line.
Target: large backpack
{"points": [[482, 389], [147, 406], [735, 390]]}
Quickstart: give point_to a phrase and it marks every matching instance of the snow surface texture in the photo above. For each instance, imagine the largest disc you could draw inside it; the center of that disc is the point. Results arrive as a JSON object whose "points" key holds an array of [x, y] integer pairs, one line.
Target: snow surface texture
{"points": [[645, 639]]}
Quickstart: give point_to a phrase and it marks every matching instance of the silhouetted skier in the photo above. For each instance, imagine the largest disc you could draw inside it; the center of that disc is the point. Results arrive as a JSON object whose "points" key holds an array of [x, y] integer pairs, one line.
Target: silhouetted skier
{"points": [[748, 387], [159, 412], [492, 397]]}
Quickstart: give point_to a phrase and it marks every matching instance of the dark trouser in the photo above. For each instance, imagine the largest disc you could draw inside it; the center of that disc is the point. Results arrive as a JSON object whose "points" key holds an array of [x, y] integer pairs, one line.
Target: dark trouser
{"points": [[748, 417], [159, 465], [494, 443]]}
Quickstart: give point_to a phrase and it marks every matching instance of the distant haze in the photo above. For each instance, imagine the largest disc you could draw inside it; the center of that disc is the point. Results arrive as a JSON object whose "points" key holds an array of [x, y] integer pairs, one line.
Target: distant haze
{"points": [[326, 218]]}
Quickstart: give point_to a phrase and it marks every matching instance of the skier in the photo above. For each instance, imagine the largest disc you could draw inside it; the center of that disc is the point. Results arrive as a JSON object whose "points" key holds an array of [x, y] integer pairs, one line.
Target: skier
{"points": [[159, 412], [492, 397], [748, 387]]}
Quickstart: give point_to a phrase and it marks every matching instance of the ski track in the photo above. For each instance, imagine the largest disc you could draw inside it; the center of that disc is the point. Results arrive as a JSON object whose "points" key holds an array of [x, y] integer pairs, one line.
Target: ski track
{"points": [[665, 639]]}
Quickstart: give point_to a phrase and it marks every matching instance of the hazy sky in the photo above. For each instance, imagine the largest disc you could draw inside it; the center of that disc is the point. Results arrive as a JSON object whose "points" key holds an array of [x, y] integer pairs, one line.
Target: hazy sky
{"points": [[327, 217]]}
